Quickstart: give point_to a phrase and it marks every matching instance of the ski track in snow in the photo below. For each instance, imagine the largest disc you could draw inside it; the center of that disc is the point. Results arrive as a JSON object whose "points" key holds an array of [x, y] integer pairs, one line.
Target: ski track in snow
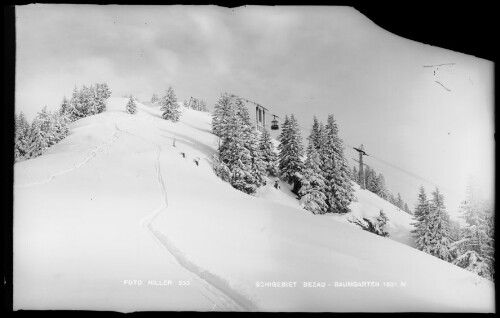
{"points": [[92, 154], [231, 299], [96, 150]]}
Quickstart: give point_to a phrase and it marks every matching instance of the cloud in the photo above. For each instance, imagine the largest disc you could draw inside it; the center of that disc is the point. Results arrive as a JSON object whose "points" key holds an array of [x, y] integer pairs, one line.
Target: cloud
{"points": [[312, 60]]}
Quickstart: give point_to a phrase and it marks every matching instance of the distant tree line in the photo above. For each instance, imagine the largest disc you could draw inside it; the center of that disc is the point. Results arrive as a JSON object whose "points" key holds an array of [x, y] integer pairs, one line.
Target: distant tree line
{"points": [[376, 183], [196, 104], [154, 98], [48, 128], [193, 103], [87, 101]]}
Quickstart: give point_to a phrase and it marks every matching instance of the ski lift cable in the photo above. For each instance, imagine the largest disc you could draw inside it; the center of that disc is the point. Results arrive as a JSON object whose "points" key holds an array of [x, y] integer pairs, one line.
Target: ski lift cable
{"points": [[410, 173], [404, 180], [397, 168], [395, 176], [404, 170]]}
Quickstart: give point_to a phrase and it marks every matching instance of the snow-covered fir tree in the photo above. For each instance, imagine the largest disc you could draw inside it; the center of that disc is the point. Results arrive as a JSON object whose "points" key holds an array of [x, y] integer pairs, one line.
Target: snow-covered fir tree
{"points": [[490, 250], [76, 105], [339, 190], [154, 98], [435, 229], [319, 139], [376, 183], [87, 101], [420, 217], [21, 137], [381, 189], [99, 104], [203, 106], [251, 142], [131, 107], [47, 126], [222, 111], [240, 160], [407, 209], [237, 159], [475, 249], [221, 169], [47, 129], [198, 104], [60, 126], [391, 198], [291, 151], [37, 142], [269, 155], [258, 166], [370, 179], [169, 106], [381, 224], [316, 136], [65, 109], [312, 190], [455, 231], [102, 93], [194, 104], [400, 203]]}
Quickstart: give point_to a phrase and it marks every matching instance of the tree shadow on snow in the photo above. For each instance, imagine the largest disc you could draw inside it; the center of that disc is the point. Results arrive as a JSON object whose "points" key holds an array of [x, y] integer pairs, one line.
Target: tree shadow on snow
{"points": [[209, 131]]}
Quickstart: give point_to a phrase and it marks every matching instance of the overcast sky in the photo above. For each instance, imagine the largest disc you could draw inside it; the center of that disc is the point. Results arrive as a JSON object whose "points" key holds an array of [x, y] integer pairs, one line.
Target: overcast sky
{"points": [[436, 123]]}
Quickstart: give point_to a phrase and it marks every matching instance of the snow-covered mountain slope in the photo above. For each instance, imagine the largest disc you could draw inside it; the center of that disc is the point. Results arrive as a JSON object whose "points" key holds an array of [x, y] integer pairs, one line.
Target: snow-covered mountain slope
{"points": [[367, 205], [116, 203]]}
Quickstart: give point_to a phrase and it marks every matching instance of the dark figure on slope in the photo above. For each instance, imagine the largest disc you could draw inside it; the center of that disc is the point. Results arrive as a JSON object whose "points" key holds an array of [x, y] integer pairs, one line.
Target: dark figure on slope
{"points": [[277, 184]]}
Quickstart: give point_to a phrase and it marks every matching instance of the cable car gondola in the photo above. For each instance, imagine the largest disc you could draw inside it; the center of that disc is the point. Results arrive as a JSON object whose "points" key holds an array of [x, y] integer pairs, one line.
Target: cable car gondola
{"points": [[260, 116], [274, 124]]}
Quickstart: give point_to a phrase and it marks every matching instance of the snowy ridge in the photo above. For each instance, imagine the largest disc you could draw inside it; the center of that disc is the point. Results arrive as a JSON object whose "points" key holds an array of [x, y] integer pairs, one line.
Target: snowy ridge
{"points": [[114, 105], [141, 211], [95, 151]]}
